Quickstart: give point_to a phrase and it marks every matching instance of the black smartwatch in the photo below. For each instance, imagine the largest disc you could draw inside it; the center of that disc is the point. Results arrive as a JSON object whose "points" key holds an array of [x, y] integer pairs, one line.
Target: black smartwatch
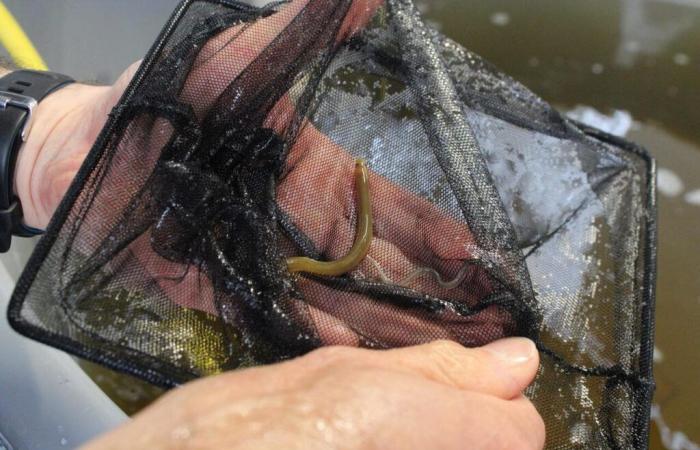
{"points": [[20, 93]]}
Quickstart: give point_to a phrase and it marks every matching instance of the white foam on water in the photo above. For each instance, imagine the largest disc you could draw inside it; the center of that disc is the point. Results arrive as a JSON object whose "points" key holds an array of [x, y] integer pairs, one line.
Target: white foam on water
{"points": [[669, 183], [672, 440], [658, 355], [618, 123], [500, 18], [689, 3], [692, 197], [681, 59]]}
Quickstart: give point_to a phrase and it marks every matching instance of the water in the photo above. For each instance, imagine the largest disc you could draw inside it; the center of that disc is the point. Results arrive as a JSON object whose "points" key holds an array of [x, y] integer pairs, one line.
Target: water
{"points": [[637, 61]]}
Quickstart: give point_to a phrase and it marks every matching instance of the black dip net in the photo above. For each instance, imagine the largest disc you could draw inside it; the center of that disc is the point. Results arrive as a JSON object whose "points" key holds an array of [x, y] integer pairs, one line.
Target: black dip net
{"points": [[447, 201]]}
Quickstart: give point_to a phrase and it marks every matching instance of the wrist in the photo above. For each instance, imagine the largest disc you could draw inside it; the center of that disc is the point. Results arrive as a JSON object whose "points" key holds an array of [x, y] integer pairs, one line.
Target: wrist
{"points": [[34, 181]]}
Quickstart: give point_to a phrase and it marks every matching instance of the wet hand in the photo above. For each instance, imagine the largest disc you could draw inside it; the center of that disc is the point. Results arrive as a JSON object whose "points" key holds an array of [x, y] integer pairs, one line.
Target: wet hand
{"points": [[438, 395]]}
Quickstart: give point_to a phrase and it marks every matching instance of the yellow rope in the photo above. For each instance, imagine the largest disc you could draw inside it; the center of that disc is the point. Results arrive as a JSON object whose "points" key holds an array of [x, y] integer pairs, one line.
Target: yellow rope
{"points": [[18, 45]]}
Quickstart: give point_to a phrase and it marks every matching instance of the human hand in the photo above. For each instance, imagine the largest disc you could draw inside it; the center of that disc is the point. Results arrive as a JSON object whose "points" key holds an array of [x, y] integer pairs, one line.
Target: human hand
{"points": [[316, 192], [438, 395]]}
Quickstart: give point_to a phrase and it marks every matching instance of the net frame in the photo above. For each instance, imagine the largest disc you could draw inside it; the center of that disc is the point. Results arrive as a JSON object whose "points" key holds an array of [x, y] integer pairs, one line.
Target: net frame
{"points": [[154, 370]]}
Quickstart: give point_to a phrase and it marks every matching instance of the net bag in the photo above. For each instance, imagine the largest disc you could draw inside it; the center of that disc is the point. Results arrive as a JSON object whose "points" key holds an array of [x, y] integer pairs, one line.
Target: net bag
{"points": [[319, 172]]}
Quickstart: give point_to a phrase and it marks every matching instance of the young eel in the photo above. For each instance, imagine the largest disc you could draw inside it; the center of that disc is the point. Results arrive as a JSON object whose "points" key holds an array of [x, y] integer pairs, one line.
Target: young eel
{"points": [[363, 235]]}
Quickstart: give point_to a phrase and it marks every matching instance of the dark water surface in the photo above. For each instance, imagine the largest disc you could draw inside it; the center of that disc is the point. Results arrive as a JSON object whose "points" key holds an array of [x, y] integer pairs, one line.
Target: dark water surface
{"points": [[637, 56]]}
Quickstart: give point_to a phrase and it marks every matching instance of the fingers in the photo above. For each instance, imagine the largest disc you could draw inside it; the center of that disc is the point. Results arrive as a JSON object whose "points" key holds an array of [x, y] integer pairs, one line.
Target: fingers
{"points": [[503, 368], [119, 86], [225, 56], [389, 325], [382, 323], [183, 285], [332, 330], [359, 14], [221, 60]]}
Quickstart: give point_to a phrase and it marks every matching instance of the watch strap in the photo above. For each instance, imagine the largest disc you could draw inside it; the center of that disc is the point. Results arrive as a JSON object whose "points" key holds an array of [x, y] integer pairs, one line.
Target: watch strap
{"points": [[34, 84], [11, 120]]}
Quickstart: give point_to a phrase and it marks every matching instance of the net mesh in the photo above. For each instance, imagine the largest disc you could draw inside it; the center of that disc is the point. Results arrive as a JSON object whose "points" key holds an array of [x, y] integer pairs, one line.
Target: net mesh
{"points": [[234, 149]]}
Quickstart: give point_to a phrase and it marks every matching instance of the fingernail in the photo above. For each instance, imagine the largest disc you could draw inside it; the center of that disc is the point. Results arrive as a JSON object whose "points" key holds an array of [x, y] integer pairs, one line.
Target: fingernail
{"points": [[512, 351]]}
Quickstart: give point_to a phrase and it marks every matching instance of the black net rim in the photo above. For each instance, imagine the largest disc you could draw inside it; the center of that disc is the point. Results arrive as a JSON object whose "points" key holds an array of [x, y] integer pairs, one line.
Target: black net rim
{"points": [[151, 369]]}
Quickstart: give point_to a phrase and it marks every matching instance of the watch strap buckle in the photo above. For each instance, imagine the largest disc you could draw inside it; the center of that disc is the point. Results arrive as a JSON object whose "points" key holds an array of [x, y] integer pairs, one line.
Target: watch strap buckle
{"points": [[23, 102]]}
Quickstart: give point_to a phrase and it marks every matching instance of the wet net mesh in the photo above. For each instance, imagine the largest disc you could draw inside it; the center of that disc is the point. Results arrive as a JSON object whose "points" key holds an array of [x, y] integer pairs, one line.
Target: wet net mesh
{"points": [[233, 149]]}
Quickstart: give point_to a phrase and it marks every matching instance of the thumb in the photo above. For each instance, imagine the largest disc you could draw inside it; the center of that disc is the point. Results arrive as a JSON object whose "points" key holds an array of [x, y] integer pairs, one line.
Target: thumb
{"points": [[117, 89], [503, 368]]}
